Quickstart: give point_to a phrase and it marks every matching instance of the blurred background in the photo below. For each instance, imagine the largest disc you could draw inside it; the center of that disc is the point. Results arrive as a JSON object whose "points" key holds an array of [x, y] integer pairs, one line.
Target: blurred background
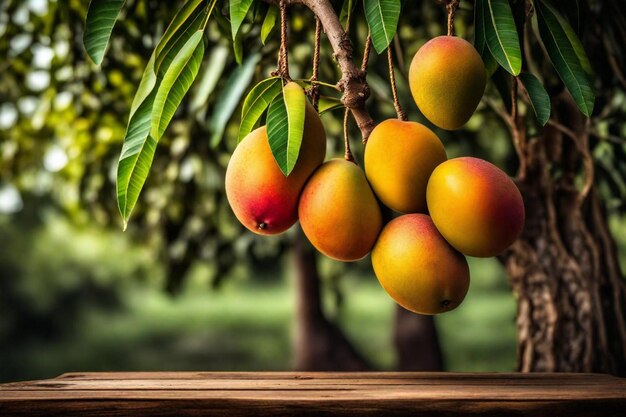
{"points": [[186, 287]]}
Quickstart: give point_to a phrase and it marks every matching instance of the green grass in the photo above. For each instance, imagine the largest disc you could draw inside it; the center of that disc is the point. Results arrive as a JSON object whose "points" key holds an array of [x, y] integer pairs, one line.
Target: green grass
{"points": [[245, 325], [248, 326]]}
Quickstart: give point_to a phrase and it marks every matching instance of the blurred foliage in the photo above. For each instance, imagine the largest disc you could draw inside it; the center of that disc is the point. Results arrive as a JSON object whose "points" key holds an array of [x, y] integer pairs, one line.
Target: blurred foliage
{"points": [[71, 280], [63, 120]]}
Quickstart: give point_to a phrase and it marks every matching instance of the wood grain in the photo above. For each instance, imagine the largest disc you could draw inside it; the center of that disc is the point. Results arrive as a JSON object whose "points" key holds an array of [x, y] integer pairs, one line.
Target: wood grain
{"points": [[316, 394]]}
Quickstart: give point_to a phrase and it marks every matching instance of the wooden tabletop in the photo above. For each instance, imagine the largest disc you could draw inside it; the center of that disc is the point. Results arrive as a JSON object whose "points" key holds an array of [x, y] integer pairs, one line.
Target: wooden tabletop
{"points": [[316, 394]]}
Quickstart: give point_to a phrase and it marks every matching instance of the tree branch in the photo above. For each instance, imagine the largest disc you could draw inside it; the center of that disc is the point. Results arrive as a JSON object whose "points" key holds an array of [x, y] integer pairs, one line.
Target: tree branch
{"points": [[353, 83]]}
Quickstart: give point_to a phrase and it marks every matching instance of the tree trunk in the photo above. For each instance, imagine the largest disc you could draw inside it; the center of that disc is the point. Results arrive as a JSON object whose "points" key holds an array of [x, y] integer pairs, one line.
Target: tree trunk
{"points": [[319, 344], [564, 268], [417, 342]]}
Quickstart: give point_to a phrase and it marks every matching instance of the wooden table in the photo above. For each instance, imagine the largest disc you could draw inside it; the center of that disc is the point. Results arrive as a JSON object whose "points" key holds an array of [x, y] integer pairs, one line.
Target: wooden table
{"points": [[316, 394]]}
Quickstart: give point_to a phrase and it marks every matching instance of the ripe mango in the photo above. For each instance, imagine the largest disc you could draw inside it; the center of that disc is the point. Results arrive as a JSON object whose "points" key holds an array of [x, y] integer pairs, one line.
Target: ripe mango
{"points": [[338, 211], [262, 198], [418, 268], [475, 206], [447, 79], [399, 158]]}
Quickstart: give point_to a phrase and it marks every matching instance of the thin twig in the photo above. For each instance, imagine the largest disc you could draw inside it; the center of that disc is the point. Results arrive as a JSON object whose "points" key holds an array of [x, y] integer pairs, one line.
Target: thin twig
{"points": [[315, 88], [518, 132], [366, 52], [284, 43], [346, 140], [394, 89], [324, 84], [366, 57], [451, 7]]}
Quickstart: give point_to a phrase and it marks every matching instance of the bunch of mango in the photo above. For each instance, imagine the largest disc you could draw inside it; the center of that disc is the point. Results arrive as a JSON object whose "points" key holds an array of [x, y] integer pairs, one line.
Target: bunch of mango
{"points": [[448, 207]]}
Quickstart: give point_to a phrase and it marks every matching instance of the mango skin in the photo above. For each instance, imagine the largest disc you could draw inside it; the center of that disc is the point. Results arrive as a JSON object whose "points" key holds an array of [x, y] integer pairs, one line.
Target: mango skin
{"points": [[447, 79], [399, 158], [262, 198], [475, 206], [338, 211], [418, 268]]}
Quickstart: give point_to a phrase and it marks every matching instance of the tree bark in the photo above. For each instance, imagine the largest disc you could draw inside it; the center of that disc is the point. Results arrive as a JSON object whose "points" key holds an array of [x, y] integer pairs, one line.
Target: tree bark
{"points": [[564, 268], [417, 342], [319, 344]]}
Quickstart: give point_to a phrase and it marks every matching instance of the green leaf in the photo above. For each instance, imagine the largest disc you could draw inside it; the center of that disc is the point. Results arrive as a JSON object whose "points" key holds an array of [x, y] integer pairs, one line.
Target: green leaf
{"points": [[539, 98], [572, 10], [573, 38], [565, 53], [269, 22], [346, 11], [238, 49], [382, 18], [179, 19], [139, 146], [230, 96], [136, 158], [501, 35], [181, 30], [238, 11], [176, 81], [210, 75], [326, 104], [285, 126], [138, 149], [146, 85], [480, 38], [256, 102], [99, 23]]}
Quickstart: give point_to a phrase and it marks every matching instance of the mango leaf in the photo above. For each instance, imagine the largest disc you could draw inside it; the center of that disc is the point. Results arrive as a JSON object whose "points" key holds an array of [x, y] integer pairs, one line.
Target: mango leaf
{"points": [[176, 23], [285, 126], [572, 10], [382, 18], [136, 158], [189, 20], [269, 22], [480, 38], [138, 149], [567, 55], [146, 85], [101, 17], [238, 49], [258, 99], [327, 104], [501, 35], [346, 11], [573, 38], [176, 81], [238, 11], [539, 98], [209, 76], [139, 146], [230, 96]]}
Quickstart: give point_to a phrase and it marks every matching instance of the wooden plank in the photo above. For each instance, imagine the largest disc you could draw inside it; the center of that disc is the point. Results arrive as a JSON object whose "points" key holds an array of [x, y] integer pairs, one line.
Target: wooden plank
{"points": [[316, 394]]}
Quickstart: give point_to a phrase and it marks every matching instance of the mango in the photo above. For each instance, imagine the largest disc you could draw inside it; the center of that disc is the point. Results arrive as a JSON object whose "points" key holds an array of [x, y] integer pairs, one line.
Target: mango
{"points": [[399, 158], [475, 206], [447, 79], [262, 198], [418, 268], [338, 211]]}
